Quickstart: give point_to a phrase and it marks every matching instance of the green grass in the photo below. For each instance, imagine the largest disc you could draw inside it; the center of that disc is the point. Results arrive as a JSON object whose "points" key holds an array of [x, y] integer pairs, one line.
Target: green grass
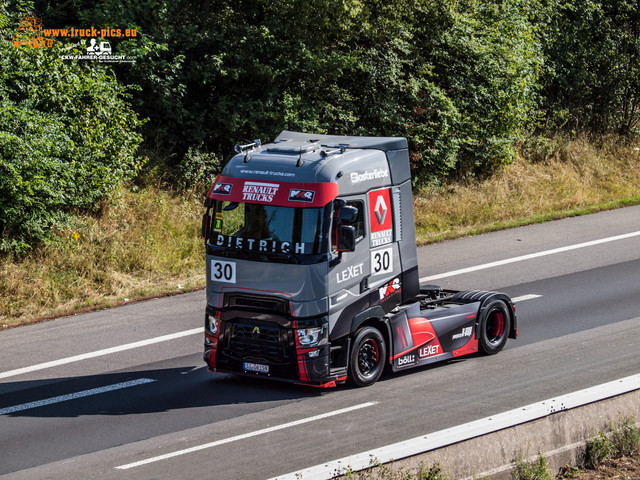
{"points": [[527, 469], [143, 244], [573, 178], [147, 242]]}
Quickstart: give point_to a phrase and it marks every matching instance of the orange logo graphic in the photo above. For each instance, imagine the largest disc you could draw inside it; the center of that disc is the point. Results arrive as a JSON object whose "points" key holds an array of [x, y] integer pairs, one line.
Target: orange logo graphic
{"points": [[29, 33]]}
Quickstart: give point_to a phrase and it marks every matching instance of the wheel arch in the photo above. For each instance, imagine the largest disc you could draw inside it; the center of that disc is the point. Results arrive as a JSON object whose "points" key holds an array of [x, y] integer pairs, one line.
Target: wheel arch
{"points": [[486, 298], [374, 317]]}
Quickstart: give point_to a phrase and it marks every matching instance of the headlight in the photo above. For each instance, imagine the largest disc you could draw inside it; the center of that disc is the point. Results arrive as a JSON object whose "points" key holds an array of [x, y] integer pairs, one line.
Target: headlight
{"points": [[309, 337], [212, 324]]}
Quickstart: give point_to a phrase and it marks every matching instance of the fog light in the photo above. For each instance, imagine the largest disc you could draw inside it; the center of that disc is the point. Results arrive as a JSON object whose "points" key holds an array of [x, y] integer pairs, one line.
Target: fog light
{"points": [[314, 354]]}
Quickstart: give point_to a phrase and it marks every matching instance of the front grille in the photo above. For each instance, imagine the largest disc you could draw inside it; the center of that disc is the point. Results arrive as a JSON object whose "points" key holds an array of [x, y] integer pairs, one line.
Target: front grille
{"points": [[257, 302], [259, 343]]}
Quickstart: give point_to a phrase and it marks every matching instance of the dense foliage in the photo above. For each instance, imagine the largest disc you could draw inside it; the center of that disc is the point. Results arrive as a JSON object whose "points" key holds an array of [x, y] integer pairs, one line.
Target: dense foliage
{"points": [[463, 81], [67, 141], [460, 81]]}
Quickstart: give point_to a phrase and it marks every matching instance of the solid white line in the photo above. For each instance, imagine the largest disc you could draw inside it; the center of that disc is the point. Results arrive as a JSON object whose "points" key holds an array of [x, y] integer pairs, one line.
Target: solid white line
{"points": [[529, 257], [73, 396], [244, 436], [524, 298], [467, 431], [99, 353]]}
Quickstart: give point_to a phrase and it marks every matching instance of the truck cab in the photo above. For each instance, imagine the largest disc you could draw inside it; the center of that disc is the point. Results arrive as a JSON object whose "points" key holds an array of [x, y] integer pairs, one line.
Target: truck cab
{"points": [[311, 256]]}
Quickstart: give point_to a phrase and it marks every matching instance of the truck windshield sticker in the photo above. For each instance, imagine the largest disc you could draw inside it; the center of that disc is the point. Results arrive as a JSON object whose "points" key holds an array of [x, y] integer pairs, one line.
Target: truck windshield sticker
{"points": [[259, 192], [297, 195], [380, 217], [222, 188], [285, 194], [217, 225], [255, 245], [268, 228]]}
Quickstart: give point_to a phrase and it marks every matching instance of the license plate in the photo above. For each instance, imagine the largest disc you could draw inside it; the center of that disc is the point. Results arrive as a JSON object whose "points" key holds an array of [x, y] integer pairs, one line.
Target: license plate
{"points": [[255, 367]]}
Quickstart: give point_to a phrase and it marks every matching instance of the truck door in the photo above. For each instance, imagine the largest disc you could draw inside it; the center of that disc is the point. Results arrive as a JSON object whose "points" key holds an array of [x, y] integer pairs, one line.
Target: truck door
{"points": [[348, 270]]}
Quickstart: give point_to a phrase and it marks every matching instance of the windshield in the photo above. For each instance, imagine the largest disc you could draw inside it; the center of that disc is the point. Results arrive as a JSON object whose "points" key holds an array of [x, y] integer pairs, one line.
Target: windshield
{"points": [[267, 229]]}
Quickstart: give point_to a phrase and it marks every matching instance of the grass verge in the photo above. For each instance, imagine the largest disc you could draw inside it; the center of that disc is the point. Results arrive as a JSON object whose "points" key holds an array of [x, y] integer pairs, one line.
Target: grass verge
{"points": [[614, 454], [143, 244], [147, 243], [553, 179]]}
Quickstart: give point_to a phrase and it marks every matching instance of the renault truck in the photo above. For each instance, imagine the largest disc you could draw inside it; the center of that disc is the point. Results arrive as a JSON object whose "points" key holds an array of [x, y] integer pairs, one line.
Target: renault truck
{"points": [[312, 268]]}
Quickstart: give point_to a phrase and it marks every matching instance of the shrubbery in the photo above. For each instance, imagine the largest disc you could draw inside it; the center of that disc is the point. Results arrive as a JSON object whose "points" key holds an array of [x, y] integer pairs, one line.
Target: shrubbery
{"points": [[464, 81], [458, 80], [67, 141]]}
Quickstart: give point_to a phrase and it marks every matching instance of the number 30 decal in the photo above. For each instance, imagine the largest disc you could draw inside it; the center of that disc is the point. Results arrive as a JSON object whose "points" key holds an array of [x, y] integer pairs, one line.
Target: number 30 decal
{"points": [[382, 261], [223, 271]]}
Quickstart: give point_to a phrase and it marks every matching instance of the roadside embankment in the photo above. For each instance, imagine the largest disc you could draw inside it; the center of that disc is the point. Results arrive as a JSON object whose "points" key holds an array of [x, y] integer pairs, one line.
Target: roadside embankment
{"points": [[557, 429], [561, 438]]}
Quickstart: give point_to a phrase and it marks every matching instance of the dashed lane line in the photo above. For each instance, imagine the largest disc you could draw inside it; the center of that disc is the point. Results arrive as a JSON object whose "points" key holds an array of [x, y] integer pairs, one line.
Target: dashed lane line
{"points": [[529, 256], [74, 396], [99, 353]]}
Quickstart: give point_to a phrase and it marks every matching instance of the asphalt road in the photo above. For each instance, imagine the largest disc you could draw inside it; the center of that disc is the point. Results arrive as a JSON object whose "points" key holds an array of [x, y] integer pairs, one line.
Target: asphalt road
{"points": [[151, 410]]}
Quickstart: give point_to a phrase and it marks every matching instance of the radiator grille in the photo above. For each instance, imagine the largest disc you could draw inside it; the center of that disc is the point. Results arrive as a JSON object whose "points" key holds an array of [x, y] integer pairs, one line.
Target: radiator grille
{"points": [[259, 343]]}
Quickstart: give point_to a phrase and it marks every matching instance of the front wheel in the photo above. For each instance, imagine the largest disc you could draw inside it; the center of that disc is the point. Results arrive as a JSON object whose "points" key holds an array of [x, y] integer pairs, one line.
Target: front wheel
{"points": [[367, 357], [494, 327]]}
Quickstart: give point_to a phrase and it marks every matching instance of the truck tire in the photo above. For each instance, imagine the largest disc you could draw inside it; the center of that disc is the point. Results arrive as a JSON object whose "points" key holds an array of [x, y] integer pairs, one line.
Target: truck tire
{"points": [[367, 357], [494, 327]]}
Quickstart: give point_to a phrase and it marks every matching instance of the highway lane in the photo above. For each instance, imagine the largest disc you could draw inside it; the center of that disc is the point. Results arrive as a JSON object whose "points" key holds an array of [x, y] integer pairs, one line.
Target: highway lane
{"points": [[579, 333]]}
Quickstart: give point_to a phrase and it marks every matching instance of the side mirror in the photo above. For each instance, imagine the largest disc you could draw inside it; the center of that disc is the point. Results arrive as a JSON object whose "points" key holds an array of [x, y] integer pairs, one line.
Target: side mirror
{"points": [[348, 214], [347, 237]]}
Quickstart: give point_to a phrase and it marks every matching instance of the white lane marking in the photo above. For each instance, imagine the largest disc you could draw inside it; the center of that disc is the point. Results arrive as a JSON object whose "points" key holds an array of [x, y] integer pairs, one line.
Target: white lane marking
{"points": [[73, 396], [99, 353], [244, 436], [524, 298], [477, 428], [529, 257]]}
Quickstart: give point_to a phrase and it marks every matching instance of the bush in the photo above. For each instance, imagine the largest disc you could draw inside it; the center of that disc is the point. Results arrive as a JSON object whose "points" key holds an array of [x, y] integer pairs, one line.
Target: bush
{"points": [[623, 440], [598, 450], [458, 80], [197, 171], [527, 469], [67, 140], [625, 437]]}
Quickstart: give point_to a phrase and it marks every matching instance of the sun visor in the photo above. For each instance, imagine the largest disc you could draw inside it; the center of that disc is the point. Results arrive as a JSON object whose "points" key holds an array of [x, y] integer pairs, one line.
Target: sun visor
{"points": [[286, 194]]}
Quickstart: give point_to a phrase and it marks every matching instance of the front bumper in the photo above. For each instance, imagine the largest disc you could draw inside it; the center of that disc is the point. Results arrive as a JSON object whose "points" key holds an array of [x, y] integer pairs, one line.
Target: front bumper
{"points": [[245, 340]]}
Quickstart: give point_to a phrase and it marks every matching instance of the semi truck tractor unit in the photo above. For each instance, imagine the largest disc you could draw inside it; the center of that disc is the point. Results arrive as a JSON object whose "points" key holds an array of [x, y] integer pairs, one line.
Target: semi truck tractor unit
{"points": [[312, 269]]}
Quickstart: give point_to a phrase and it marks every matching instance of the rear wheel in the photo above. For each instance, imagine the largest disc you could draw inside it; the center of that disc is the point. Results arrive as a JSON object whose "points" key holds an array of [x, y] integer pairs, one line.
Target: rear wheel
{"points": [[494, 327], [367, 357]]}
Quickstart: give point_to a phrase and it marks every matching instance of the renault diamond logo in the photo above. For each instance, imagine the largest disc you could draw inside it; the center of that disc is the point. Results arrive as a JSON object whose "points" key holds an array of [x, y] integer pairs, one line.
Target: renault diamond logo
{"points": [[380, 209], [255, 333]]}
